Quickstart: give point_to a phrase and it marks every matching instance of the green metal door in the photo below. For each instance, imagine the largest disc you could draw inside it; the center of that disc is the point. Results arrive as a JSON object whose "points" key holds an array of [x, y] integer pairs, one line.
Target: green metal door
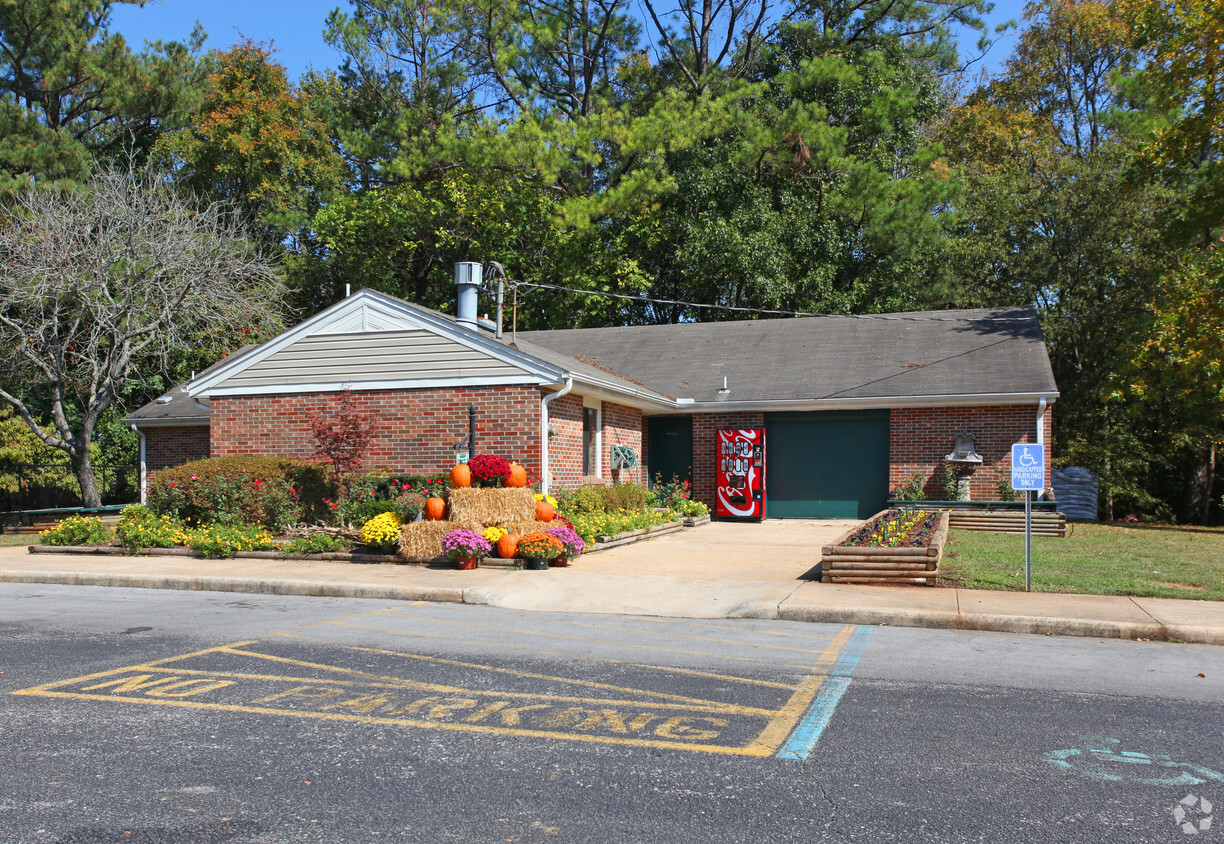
{"points": [[669, 447], [829, 465]]}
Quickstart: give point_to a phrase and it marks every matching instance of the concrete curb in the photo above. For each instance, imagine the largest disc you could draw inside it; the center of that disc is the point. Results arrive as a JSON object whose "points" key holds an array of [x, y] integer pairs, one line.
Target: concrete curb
{"points": [[761, 609], [755, 609], [1039, 625], [309, 588]]}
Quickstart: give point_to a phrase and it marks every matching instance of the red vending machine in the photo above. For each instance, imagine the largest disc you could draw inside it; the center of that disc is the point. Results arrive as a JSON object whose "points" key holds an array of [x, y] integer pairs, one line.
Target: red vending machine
{"points": [[741, 474]]}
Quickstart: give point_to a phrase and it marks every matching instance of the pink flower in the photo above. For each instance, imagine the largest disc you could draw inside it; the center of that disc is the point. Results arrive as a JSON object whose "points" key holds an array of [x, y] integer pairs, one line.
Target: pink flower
{"points": [[193, 477]]}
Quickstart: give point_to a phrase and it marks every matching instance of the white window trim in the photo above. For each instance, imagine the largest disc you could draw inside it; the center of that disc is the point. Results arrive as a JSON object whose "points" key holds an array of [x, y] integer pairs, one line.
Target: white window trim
{"points": [[597, 405]]}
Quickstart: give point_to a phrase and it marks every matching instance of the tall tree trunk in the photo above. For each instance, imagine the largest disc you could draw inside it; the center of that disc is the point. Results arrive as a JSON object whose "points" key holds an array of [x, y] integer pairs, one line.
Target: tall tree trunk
{"points": [[1196, 505], [85, 476], [1210, 491]]}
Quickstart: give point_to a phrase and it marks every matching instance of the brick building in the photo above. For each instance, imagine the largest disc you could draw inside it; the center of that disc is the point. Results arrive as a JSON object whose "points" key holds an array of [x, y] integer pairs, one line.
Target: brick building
{"points": [[852, 407]]}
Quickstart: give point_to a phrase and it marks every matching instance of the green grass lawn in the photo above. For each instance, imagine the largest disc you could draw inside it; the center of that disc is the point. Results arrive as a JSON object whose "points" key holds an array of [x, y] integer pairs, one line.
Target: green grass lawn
{"points": [[7, 540], [1109, 559]]}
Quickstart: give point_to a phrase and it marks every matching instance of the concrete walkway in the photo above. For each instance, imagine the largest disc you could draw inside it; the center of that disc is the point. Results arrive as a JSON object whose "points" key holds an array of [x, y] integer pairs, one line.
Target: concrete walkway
{"points": [[721, 570]]}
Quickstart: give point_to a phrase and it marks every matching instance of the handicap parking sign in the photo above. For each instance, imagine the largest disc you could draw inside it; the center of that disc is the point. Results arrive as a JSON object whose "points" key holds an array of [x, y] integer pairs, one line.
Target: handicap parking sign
{"points": [[1028, 467]]}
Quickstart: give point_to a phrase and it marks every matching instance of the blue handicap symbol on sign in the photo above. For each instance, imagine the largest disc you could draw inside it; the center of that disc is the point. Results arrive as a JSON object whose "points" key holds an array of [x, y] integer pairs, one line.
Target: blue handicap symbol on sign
{"points": [[1028, 466]]}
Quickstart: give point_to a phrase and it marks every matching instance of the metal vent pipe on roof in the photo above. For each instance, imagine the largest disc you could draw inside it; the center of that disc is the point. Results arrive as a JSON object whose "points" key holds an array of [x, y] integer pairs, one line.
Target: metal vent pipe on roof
{"points": [[468, 277]]}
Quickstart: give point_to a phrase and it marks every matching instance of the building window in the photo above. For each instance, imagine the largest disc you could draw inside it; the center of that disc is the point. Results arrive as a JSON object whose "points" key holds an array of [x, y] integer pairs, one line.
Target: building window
{"points": [[590, 441]]}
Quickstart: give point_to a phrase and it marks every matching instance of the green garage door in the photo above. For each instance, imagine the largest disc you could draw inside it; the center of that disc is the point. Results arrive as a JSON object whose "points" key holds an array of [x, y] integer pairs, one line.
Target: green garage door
{"points": [[826, 465]]}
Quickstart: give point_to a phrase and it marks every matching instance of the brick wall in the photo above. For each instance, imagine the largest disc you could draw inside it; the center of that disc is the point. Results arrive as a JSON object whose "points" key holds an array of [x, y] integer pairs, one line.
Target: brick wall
{"points": [[920, 437], [172, 446], [418, 429], [623, 426], [565, 446], [705, 447]]}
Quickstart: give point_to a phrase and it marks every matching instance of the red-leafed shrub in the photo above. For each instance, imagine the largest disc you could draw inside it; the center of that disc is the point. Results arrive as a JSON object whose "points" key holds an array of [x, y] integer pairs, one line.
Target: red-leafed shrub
{"points": [[342, 437]]}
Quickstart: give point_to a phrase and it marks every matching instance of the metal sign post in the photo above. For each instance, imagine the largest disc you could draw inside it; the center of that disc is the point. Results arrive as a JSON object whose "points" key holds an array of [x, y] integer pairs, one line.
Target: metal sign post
{"points": [[1028, 541], [1028, 476]]}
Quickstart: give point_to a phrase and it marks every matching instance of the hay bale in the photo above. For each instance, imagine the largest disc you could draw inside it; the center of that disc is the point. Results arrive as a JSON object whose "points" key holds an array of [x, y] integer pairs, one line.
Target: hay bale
{"points": [[528, 527], [423, 540], [487, 507]]}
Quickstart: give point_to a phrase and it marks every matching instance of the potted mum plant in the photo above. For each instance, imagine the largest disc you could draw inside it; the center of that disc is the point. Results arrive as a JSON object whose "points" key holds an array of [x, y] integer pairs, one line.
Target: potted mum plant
{"points": [[488, 470], [570, 541], [538, 549], [466, 547], [492, 535]]}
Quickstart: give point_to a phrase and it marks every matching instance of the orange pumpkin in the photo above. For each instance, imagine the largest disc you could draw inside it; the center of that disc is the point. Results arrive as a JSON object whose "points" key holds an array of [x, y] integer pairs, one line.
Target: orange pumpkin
{"points": [[545, 511], [435, 509], [517, 477], [461, 476], [507, 546]]}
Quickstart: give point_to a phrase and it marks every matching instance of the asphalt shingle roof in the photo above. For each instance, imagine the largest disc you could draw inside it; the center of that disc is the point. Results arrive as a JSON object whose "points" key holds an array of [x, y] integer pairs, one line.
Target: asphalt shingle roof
{"points": [[175, 407], [930, 353], [927, 353]]}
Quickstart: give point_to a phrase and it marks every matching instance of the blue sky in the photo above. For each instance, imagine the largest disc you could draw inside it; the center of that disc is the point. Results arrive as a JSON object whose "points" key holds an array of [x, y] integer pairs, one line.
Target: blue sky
{"points": [[296, 27]]}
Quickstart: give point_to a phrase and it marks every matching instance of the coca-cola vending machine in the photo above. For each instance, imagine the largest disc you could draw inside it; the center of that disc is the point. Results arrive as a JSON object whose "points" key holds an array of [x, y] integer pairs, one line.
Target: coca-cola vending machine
{"points": [[741, 473]]}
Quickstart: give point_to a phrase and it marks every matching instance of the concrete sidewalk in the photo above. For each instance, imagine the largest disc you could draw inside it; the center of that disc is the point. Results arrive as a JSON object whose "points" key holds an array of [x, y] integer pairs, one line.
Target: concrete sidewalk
{"points": [[679, 575]]}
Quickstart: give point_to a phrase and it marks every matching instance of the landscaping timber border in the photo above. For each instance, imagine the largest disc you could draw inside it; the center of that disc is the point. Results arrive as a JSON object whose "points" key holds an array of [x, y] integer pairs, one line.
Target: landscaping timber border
{"points": [[877, 565]]}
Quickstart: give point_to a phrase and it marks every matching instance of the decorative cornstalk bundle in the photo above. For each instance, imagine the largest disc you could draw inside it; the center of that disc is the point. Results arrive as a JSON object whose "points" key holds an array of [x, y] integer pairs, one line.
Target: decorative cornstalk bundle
{"points": [[495, 506]]}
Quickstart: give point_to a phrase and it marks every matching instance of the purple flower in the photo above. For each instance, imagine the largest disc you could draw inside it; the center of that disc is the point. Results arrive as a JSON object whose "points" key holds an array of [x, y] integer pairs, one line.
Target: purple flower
{"points": [[569, 538], [465, 543]]}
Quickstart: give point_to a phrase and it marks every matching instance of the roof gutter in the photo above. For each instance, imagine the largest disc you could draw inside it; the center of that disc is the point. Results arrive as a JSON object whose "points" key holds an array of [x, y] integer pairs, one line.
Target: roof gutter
{"points": [[864, 402], [167, 422], [548, 399]]}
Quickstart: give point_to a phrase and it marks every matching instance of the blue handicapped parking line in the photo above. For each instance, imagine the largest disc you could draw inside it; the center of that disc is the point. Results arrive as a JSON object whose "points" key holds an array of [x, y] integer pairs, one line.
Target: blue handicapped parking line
{"points": [[803, 738]]}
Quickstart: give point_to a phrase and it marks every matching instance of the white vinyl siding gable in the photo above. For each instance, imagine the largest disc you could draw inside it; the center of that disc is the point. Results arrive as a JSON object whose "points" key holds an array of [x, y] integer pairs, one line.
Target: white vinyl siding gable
{"points": [[411, 355]]}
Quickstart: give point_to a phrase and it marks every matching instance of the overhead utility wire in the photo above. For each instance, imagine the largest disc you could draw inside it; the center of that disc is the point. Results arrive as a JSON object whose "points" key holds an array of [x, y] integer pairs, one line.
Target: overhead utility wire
{"points": [[544, 285]]}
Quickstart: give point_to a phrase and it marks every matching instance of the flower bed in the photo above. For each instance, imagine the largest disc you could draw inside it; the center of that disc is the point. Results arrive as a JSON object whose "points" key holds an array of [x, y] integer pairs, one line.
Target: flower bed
{"points": [[894, 546], [897, 529]]}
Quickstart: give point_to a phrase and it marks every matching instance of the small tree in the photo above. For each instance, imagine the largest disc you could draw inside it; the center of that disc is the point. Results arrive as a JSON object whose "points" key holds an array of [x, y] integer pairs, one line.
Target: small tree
{"points": [[343, 437], [101, 283]]}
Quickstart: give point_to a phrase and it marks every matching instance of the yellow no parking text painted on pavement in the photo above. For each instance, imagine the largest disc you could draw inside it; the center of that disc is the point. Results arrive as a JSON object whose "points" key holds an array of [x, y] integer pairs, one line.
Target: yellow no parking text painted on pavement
{"points": [[753, 718]]}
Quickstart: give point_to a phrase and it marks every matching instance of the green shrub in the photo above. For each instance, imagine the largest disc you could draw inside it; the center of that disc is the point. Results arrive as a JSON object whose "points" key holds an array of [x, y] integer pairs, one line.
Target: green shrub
{"points": [[247, 489], [381, 483], [691, 508], [626, 496], [668, 493], [603, 499], [365, 496], [584, 499], [950, 482], [912, 490], [591, 525], [223, 540], [140, 528], [77, 530], [1004, 488], [319, 543]]}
